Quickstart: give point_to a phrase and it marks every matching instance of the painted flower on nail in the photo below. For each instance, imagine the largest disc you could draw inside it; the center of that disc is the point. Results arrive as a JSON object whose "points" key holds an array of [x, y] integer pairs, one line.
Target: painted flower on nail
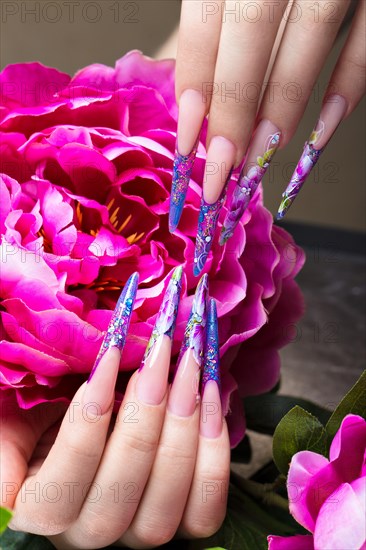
{"points": [[194, 336], [246, 187], [309, 158], [182, 168], [167, 315]]}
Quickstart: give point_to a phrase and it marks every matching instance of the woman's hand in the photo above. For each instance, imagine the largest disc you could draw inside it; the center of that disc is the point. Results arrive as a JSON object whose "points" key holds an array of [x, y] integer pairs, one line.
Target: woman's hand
{"points": [[253, 65], [164, 467]]}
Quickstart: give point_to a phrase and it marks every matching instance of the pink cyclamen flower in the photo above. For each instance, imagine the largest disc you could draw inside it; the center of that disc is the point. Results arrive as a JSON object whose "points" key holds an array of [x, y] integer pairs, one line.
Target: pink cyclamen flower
{"points": [[86, 167], [328, 497]]}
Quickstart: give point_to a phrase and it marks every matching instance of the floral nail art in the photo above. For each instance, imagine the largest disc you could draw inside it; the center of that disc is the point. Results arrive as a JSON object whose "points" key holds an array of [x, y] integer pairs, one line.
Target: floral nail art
{"points": [[246, 187], [309, 158], [211, 367], [118, 327], [166, 318], [207, 223], [182, 168], [194, 335]]}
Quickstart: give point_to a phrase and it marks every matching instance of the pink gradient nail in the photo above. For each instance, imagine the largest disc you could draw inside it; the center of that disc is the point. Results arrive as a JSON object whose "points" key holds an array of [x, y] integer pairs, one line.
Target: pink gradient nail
{"points": [[211, 411], [192, 111], [184, 394], [99, 391], [152, 380], [219, 162], [332, 113]]}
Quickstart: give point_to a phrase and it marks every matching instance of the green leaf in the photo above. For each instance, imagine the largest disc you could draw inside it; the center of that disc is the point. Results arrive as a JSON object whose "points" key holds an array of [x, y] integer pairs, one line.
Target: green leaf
{"points": [[354, 402], [5, 517], [216, 548], [14, 540], [298, 431], [264, 412]]}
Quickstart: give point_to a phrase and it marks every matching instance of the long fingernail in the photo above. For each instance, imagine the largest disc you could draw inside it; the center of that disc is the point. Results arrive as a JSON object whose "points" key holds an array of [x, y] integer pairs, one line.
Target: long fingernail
{"points": [[184, 391], [153, 373], [217, 177], [194, 335], [118, 327], [211, 409], [192, 110], [331, 115], [262, 149]]}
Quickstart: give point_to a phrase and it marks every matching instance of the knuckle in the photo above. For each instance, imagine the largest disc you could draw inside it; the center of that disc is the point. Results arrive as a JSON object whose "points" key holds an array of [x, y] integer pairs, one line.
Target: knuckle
{"points": [[142, 443], [203, 527], [153, 534], [176, 452]]}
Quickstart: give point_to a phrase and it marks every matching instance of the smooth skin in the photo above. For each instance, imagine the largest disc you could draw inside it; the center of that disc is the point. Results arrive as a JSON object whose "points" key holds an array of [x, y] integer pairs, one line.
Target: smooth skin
{"points": [[87, 480], [253, 61]]}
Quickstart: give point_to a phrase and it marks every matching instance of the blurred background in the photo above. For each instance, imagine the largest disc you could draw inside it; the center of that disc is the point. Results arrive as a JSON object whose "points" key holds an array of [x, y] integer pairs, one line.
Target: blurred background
{"points": [[69, 34]]}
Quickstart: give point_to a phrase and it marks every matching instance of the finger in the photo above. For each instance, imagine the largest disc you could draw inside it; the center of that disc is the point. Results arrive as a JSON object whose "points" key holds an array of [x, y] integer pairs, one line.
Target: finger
{"points": [[49, 501], [198, 41], [162, 506], [244, 52], [20, 432], [130, 450], [206, 506], [306, 43], [348, 78], [345, 90]]}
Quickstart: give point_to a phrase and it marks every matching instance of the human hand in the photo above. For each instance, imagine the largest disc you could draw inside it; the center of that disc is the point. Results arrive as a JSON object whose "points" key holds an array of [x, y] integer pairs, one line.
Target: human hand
{"points": [[164, 467], [254, 64]]}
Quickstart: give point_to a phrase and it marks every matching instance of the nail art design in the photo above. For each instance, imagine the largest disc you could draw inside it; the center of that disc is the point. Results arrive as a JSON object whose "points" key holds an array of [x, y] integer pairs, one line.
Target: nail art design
{"points": [[118, 327], [182, 169], [211, 366], [246, 186], [207, 223], [309, 158], [194, 335], [166, 318]]}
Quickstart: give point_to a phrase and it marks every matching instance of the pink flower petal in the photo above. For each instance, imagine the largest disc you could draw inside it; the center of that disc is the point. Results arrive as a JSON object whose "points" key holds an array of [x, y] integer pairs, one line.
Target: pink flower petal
{"points": [[298, 542], [341, 521], [303, 495], [348, 447]]}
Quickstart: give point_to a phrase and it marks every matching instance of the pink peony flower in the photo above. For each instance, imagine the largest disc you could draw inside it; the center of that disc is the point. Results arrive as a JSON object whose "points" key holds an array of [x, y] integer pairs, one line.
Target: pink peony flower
{"points": [[86, 175], [328, 497]]}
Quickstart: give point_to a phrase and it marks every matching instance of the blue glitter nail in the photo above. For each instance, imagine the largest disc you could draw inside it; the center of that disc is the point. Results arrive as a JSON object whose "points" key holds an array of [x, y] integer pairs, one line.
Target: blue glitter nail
{"points": [[118, 327], [211, 364]]}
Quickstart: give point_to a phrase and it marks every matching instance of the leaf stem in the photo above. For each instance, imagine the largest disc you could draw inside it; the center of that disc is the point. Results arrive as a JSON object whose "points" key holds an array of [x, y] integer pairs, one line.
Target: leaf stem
{"points": [[261, 491]]}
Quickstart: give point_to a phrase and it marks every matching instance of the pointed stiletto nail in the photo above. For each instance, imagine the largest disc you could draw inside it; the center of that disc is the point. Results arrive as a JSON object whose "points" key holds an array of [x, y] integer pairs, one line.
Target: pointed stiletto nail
{"points": [[211, 365], [194, 335], [207, 224], [264, 145], [118, 327], [331, 116], [211, 408], [192, 111], [167, 316], [182, 169]]}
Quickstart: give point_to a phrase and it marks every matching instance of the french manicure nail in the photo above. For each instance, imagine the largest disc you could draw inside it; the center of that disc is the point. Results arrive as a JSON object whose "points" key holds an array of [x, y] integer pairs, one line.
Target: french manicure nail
{"points": [[262, 149], [192, 110], [211, 409], [153, 373], [331, 115], [118, 327]]}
